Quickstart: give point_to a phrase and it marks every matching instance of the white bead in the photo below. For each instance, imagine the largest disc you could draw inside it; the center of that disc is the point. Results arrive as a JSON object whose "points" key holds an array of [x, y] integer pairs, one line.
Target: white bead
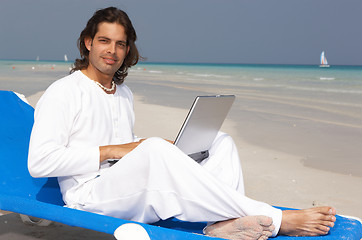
{"points": [[106, 89]]}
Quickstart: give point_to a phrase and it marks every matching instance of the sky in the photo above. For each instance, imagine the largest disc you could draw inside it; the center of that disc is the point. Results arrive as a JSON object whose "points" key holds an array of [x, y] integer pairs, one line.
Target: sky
{"points": [[194, 31]]}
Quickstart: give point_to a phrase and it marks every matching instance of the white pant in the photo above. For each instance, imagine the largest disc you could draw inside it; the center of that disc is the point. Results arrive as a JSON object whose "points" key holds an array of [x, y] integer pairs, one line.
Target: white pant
{"points": [[157, 181]]}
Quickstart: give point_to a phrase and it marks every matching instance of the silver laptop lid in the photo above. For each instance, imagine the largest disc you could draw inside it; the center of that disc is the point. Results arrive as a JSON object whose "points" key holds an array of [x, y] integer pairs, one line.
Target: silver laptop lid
{"points": [[203, 122]]}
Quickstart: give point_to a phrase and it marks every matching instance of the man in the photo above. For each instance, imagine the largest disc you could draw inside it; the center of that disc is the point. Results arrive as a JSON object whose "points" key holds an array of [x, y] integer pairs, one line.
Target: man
{"points": [[86, 118]]}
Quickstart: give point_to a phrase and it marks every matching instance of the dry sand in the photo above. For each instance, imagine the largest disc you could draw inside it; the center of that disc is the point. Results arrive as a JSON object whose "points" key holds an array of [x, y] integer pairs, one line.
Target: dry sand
{"points": [[270, 176]]}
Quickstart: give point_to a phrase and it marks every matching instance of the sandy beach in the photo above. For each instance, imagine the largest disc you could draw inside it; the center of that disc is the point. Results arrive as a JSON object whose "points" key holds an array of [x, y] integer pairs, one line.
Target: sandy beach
{"points": [[274, 177], [270, 175]]}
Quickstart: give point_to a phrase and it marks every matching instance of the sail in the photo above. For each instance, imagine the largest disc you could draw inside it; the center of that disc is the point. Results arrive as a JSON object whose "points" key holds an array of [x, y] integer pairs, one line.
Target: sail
{"points": [[65, 58], [323, 60]]}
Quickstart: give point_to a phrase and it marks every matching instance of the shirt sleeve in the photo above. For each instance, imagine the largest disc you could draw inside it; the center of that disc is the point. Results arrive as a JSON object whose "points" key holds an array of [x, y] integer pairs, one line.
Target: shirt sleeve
{"points": [[49, 153]]}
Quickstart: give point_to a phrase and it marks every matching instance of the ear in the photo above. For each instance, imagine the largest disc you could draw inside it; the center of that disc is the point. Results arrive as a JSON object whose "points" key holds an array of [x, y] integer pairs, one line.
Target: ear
{"points": [[88, 43]]}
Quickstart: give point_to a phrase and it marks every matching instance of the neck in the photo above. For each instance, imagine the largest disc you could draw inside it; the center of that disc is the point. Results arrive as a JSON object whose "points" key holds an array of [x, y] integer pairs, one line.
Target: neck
{"points": [[105, 80]]}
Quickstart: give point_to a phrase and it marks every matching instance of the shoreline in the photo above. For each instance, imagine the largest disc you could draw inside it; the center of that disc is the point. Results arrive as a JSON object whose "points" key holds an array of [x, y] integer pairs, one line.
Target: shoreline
{"points": [[271, 176]]}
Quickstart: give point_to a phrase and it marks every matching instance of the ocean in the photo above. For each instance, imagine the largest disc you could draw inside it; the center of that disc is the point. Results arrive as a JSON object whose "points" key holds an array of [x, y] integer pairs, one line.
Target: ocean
{"points": [[308, 111]]}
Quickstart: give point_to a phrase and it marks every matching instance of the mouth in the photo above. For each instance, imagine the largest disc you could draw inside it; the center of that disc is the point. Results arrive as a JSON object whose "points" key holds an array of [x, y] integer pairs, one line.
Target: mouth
{"points": [[109, 60]]}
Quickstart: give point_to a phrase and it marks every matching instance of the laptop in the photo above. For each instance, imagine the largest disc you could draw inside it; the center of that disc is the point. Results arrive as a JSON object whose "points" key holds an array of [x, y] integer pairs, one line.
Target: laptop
{"points": [[202, 124]]}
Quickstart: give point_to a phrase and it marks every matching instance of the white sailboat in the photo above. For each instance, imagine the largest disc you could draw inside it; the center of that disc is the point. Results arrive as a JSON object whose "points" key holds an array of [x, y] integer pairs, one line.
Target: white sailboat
{"points": [[65, 58], [324, 62]]}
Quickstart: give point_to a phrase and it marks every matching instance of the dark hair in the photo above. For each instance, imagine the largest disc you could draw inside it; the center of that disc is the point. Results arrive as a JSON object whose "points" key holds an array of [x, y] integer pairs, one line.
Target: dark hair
{"points": [[110, 15]]}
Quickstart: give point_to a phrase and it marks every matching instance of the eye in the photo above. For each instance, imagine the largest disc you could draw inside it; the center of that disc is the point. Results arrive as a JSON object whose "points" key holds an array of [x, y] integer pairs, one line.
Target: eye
{"points": [[122, 44]]}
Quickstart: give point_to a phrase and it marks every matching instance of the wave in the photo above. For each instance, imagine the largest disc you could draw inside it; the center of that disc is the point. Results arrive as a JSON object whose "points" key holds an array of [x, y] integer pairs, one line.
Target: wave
{"points": [[326, 78], [329, 90], [206, 75]]}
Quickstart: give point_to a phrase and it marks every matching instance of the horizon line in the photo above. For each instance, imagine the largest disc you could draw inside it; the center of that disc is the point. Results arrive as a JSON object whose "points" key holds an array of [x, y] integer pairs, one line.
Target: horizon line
{"points": [[71, 61]]}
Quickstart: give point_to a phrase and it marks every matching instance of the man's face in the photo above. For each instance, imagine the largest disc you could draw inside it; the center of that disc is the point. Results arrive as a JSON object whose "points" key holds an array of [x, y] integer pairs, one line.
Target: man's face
{"points": [[108, 48]]}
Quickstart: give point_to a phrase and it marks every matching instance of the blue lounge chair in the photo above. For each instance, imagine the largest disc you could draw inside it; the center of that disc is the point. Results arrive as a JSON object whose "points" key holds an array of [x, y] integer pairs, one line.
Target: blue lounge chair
{"points": [[41, 198]]}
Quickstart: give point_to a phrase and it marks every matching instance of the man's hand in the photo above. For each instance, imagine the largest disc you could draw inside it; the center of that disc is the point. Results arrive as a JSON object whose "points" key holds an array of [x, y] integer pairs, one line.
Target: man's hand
{"points": [[117, 151]]}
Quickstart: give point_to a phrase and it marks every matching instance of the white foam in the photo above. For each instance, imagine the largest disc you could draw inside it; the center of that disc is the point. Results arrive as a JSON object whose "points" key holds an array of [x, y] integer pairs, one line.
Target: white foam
{"points": [[326, 78], [329, 90], [206, 75]]}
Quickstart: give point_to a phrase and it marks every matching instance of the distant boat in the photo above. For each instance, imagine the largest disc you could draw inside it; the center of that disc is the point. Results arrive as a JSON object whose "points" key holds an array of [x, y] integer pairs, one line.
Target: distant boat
{"points": [[65, 58], [324, 62]]}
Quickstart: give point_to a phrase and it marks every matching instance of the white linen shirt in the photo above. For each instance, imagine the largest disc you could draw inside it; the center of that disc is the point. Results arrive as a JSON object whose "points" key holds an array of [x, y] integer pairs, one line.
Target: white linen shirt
{"points": [[72, 119]]}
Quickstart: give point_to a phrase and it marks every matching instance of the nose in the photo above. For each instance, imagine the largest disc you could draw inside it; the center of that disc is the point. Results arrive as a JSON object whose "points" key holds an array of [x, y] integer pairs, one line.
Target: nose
{"points": [[111, 48]]}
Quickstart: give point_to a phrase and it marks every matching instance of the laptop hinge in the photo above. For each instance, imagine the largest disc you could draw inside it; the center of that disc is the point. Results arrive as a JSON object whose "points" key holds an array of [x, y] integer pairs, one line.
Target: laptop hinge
{"points": [[200, 156]]}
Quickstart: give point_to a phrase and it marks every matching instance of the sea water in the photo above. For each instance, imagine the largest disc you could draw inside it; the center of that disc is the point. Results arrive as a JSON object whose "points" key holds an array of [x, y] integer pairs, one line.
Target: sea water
{"points": [[336, 90], [335, 79], [309, 111]]}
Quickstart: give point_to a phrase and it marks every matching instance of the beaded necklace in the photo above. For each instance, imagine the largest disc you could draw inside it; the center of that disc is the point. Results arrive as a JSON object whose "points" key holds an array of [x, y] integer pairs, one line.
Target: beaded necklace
{"points": [[104, 88]]}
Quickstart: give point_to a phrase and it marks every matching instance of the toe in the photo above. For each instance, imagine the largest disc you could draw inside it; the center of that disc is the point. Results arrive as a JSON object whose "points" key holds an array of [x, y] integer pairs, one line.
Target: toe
{"points": [[325, 217], [332, 218], [323, 229], [262, 238], [267, 233], [271, 228], [328, 223], [265, 221], [332, 211], [326, 210]]}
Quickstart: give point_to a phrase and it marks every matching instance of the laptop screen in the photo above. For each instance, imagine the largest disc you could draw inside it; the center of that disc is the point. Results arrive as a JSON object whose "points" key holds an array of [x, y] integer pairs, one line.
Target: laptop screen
{"points": [[203, 122]]}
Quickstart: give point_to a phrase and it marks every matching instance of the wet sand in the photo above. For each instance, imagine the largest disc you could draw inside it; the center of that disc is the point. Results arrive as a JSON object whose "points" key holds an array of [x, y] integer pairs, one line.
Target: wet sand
{"points": [[12, 228]]}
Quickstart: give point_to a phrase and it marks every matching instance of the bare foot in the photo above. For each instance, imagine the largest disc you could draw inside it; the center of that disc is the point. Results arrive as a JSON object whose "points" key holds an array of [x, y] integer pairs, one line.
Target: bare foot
{"points": [[308, 222], [245, 228]]}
